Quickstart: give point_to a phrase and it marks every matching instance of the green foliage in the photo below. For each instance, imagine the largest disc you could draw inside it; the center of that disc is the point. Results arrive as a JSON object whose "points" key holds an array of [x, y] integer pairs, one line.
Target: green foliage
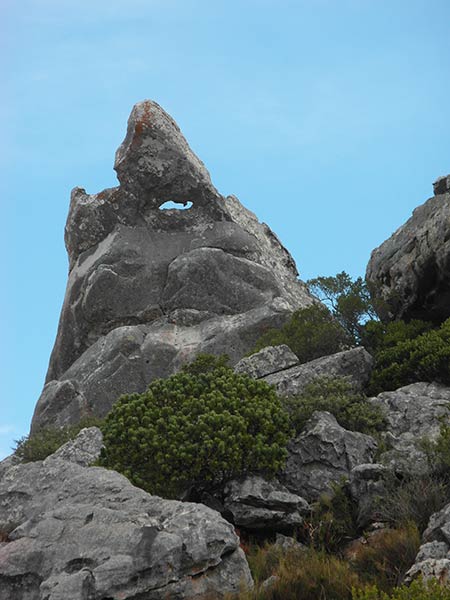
{"points": [[335, 395], [205, 363], [350, 301], [418, 590], [310, 333], [196, 430], [377, 336], [44, 442], [423, 358], [387, 556], [439, 451], [332, 522]]}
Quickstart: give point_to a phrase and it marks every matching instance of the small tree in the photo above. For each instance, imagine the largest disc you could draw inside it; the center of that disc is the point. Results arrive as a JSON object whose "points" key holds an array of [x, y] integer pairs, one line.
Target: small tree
{"points": [[350, 301], [196, 429]]}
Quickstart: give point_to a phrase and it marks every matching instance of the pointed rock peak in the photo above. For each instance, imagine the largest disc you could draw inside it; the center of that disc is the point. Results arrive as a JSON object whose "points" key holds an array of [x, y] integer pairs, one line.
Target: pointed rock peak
{"points": [[442, 185], [155, 164]]}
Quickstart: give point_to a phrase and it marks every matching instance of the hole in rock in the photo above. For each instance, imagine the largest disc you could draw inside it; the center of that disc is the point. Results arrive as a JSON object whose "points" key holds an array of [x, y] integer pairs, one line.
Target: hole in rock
{"points": [[177, 205]]}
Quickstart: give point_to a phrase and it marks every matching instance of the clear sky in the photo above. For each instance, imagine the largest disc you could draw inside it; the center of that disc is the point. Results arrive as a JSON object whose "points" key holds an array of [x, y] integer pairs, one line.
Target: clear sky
{"points": [[328, 118]]}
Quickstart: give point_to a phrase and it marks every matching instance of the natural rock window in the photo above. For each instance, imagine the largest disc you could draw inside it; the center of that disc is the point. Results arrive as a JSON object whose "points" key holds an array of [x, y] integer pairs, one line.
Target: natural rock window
{"points": [[175, 205]]}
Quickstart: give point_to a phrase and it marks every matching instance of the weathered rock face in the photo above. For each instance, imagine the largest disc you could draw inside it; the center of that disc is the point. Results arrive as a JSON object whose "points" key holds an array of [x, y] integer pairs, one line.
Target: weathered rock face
{"points": [[267, 361], [322, 454], [412, 268], [149, 288], [367, 485], [260, 505], [433, 558], [412, 412], [355, 365], [85, 532]]}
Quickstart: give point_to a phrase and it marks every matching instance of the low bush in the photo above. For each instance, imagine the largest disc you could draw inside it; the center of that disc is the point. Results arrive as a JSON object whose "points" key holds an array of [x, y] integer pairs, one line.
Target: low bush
{"points": [[423, 358], [305, 575], [196, 429], [310, 333], [46, 441], [335, 395], [387, 556], [333, 521], [418, 590], [414, 499]]}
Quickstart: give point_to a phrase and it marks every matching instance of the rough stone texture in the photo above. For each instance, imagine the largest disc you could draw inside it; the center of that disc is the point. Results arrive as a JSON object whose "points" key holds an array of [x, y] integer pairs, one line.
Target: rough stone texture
{"points": [[85, 532], [435, 550], [148, 288], [267, 361], [83, 450], [355, 365], [431, 568], [367, 485], [322, 454], [441, 185], [257, 504], [412, 412], [412, 268]]}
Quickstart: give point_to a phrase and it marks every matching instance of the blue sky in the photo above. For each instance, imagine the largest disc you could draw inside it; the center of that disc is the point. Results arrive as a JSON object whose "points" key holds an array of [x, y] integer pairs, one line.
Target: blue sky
{"points": [[328, 118]]}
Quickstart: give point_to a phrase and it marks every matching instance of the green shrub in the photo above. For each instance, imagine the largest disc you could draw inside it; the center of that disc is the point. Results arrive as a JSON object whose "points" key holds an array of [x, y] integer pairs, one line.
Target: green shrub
{"points": [[196, 430], [378, 336], [46, 441], [424, 358], [310, 333], [335, 395], [418, 590]]}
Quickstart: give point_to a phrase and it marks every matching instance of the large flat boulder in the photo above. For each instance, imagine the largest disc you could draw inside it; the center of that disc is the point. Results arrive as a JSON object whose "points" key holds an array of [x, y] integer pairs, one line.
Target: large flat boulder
{"points": [[411, 270], [354, 365], [150, 288], [78, 533]]}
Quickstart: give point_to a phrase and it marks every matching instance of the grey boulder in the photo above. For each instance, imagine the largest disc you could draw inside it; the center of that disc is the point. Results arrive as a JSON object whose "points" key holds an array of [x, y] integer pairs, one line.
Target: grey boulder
{"points": [[85, 532], [267, 361], [411, 270], [413, 413], [355, 365], [323, 454], [150, 288], [368, 487], [83, 450], [260, 505]]}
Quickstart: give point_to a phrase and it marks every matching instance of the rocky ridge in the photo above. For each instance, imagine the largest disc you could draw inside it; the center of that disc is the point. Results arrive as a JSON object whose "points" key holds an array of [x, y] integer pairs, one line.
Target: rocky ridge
{"points": [[149, 288]]}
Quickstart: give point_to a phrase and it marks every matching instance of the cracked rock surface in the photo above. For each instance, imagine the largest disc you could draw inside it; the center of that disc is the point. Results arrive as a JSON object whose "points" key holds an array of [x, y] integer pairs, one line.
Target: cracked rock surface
{"points": [[80, 533], [150, 288], [411, 269]]}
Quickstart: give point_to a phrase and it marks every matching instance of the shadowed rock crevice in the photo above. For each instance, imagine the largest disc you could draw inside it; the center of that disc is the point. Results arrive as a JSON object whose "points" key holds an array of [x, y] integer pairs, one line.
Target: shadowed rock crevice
{"points": [[149, 289]]}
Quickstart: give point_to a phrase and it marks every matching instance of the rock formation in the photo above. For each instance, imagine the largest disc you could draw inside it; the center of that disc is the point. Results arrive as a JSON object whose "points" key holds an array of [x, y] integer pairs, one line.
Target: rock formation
{"points": [[411, 270], [413, 413], [278, 366], [73, 532], [150, 288]]}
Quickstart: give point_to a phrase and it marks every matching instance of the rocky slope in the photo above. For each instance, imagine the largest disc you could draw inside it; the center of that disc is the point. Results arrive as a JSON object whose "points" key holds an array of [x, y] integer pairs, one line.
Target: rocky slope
{"points": [[150, 288], [411, 269]]}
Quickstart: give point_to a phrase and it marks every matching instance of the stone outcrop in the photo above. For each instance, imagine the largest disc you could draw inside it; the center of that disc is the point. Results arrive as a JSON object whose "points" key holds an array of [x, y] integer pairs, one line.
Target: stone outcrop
{"points": [[75, 532], [413, 412], [267, 361], [433, 558], [411, 270], [322, 454], [150, 288], [259, 505], [355, 365]]}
